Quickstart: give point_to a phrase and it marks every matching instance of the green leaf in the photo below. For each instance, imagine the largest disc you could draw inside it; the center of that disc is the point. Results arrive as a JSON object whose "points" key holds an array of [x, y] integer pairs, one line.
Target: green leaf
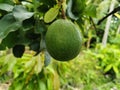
{"points": [[39, 64], [40, 27], [78, 7], [17, 84], [42, 85], [10, 40], [17, 70], [103, 8], [6, 7], [29, 65], [56, 81], [21, 13], [31, 85], [14, 38], [116, 70], [108, 67], [50, 69], [4, 69], [69, 10], [8, 24], [51, 14], [11, 63], [91, 10], [50, 83]]}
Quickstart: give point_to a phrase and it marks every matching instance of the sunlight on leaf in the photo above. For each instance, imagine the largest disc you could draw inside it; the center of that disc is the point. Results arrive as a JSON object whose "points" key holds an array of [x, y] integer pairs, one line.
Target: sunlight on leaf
{"points": [[116, 70], [108, 68], [42, 85], [20, 13], [39, 63], [50, 83], [56, 81], [29, 65], [6, 7], [51, 14]]}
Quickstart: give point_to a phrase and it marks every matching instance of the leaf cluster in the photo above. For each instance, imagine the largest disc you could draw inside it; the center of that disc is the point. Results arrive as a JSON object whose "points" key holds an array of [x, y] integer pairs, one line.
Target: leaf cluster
{"points": [[108, 60], [28, 73]]}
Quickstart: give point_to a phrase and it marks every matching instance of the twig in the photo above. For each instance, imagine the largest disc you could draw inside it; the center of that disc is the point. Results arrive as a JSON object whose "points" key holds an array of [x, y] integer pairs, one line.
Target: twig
{"points": [[63, 9], [93, 23], [112, 12]]}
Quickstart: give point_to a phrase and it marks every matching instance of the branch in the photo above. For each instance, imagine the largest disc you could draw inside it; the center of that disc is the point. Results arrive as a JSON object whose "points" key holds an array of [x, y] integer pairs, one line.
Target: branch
{"points": [[114, 11], [93, 23]]}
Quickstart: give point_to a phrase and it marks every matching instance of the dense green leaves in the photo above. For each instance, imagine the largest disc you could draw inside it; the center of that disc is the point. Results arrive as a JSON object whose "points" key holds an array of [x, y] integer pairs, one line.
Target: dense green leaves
{"points": [[91, 10], [16, 38], [24, 23], [108, 59], [29, 73], [10, 40]]}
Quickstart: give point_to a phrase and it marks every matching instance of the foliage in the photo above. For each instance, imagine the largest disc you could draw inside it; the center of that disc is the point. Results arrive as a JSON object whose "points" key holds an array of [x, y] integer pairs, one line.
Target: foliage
{"points": [[29, 20], [81, 73], [85, 71], [108, 58], [115, 40], [28, 73], [24, 23]]}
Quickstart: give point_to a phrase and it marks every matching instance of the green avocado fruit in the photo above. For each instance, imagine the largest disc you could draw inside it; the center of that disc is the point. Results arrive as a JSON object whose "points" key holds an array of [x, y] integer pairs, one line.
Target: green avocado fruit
{"points": [[63, 40]]}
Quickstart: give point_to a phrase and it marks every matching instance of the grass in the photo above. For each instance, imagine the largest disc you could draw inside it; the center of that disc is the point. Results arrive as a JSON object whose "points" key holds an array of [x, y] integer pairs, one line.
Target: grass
{"points": [[82, 74]]}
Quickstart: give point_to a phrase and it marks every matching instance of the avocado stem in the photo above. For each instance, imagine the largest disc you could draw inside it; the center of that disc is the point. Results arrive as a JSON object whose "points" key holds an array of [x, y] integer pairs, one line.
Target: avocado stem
{"points": [[63, 14], [64, 9]]}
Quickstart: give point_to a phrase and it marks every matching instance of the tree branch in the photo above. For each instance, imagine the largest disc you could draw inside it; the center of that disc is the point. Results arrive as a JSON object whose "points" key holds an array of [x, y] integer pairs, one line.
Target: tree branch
{"points": [[93, 23], [112, 12]]}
